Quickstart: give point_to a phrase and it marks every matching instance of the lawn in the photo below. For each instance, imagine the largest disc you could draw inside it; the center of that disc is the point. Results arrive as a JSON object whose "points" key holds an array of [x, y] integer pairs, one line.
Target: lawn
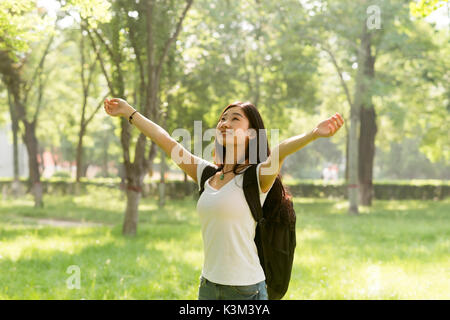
{"points": [[393, 250]]}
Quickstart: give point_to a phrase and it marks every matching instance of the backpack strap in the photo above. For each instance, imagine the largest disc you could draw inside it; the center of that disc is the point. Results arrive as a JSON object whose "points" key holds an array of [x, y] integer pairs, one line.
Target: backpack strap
{"points": [[251, 192], [208, 172]]}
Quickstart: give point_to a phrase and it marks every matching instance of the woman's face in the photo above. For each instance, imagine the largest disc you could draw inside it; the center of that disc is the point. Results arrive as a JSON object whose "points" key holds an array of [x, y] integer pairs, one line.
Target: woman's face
{"points": [[232, 127]]}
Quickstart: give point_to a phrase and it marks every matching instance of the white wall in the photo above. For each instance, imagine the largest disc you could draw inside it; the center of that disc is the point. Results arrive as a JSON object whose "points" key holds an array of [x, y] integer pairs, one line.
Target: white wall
{"points": [[6, 154]]}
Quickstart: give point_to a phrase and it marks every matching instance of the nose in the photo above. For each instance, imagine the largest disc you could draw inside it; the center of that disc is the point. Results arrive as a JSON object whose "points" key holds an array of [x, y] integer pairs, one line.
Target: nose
{"points": [[224, 126]]}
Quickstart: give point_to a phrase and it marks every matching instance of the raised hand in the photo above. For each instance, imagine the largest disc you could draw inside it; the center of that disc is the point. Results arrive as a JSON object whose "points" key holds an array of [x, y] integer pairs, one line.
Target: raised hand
{"points": [[117, 107], [329, 127]]}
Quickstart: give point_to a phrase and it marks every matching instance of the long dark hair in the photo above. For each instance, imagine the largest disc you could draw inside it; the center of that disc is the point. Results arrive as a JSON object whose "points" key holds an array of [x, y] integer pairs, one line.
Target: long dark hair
{"points": [[278, 192]]}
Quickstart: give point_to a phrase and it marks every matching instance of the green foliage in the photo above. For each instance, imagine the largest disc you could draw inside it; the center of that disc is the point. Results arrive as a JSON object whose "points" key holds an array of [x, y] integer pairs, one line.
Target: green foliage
{"points": [[62, 184], [423, 8], [414, 163], [253, 60], [21, 23], [98, 11], [62, 174], [264, 52]]}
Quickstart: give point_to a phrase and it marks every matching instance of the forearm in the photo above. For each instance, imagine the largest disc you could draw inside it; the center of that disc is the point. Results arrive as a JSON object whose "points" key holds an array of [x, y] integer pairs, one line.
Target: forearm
{"points": [[293, 144], [152, 131]]}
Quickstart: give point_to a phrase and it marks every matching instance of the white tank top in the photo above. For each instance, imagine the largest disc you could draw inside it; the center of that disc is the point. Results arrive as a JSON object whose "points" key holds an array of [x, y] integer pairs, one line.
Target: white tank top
{"points": [[228, 232]]}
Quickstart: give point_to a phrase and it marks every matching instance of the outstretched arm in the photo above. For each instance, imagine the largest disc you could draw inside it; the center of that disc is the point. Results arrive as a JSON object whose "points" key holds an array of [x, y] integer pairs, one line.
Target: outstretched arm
{"points": [[272, 165], [185, 160]]}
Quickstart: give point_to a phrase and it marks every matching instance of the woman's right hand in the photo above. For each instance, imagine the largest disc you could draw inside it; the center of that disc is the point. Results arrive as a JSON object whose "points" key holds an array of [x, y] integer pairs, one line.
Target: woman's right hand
{"points": [[118, 107]]}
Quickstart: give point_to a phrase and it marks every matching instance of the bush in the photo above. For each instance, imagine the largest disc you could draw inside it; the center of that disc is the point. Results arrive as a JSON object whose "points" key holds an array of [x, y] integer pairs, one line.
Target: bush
{"points": [[62, 174], [384, 190]]}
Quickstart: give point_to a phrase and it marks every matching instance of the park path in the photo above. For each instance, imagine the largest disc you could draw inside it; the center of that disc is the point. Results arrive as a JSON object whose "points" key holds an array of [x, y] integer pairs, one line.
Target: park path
{"points": [[62, 223]]}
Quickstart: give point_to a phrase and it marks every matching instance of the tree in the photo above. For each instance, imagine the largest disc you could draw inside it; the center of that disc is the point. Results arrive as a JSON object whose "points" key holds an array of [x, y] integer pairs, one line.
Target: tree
{"points": [[149, 64], [26, 29], [364, 40], [23, 76], [88, 74]]}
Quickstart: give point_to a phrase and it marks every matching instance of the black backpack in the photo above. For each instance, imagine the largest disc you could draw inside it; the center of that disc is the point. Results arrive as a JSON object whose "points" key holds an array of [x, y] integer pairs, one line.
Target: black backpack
{"points": [[275, 231]]}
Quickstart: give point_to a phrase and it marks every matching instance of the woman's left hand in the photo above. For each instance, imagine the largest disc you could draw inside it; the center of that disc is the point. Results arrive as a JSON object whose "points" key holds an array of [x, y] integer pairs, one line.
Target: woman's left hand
{"points": [[328, 127]]}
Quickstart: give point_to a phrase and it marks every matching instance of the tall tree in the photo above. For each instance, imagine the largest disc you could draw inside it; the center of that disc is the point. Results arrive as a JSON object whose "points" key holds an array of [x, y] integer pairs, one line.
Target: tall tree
{"points": [[26, 37], [16, 63], [377, 30], [136, 171], [149, 59]]}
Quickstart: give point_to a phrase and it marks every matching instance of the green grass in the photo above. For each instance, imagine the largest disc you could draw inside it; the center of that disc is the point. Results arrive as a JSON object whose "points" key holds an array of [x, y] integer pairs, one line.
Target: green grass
{"points": [[393, 250]]}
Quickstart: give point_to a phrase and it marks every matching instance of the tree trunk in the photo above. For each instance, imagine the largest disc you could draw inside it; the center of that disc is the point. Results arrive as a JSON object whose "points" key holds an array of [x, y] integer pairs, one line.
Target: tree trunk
{"points": [[41, 162], [79, 156], [16, 189], [131, 211], [186, 184], [353, 160], [79, 161], [353, 146], [105, 155], [162, 180], [367, 154], [31, 143], [368, 131]]}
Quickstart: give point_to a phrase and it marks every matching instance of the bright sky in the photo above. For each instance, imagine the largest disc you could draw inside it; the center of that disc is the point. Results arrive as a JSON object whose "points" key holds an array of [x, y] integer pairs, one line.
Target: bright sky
{"points": [[52, 7], [440, 16]]}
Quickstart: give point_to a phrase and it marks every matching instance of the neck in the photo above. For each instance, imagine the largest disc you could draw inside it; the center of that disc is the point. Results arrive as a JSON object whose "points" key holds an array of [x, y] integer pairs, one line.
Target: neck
{"points": [[232, 155], [229, 167]]}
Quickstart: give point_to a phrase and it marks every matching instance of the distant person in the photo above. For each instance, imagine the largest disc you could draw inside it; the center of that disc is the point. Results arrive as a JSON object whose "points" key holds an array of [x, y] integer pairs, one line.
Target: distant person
{"points": [[334, 172], [231, 268]]}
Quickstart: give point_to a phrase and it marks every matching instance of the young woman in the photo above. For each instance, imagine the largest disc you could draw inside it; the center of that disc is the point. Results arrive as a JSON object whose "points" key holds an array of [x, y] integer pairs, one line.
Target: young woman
{"points": [[231, 268]]}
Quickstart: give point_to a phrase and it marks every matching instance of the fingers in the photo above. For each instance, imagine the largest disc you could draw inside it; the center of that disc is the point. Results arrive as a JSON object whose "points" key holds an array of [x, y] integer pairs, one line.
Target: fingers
{"points": [[107, 106], [337, 121], [111, 101]]}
